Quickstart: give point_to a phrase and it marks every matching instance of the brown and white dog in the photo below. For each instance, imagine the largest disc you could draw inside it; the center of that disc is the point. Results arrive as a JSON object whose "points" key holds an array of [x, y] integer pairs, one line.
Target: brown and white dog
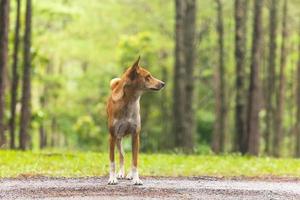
{"points": [[123, 110]]}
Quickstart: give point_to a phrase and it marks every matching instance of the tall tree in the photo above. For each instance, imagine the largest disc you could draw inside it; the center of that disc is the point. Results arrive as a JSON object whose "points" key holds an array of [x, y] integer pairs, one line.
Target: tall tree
{"points": [[15, 78], [183, 74], [297, 150], [189, 42], [271, 74], [4, 17], [179, 124], [241, 7], [278, 133], [219, 127], [254, 85], [26, 89]]}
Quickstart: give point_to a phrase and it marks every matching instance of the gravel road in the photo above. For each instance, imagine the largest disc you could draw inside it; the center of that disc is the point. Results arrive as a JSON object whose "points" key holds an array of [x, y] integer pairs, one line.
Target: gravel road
{"points": [[153, 188]]}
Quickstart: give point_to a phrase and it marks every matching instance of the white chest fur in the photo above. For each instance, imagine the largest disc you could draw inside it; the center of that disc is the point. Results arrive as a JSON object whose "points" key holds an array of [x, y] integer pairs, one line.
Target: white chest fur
{"points": [[129, 121]]}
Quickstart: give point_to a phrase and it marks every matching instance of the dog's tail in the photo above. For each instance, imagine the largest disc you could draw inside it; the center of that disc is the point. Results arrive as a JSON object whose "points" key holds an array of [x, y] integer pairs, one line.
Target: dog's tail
{"points": [[114, 82]]}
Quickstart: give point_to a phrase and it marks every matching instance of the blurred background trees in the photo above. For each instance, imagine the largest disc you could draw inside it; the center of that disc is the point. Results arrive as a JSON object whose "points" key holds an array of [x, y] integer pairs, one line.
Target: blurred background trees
{"points": [[231, 68], [4, 19]]}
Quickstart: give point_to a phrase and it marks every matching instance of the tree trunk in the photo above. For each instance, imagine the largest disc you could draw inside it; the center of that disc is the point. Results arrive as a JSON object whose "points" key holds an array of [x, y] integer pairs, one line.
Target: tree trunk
{"points": [[15, 79], [278, 134], [271, 75], [297, 131], [26, 89], [241, 7], [219, 128], [183, 74], [4, 19], [254, 87], [189, 42], [179, 71]]}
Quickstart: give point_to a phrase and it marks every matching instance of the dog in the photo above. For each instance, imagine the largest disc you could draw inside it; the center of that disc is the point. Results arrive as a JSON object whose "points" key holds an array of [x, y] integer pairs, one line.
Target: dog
{"points": [[123, 110]]}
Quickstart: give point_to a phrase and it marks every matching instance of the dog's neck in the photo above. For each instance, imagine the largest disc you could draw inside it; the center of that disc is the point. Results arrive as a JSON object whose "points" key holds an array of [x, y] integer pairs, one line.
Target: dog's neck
{"points": [[132, 94]]}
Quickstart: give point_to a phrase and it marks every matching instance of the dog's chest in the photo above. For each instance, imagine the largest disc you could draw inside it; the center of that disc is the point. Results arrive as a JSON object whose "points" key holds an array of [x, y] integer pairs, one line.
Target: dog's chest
{"points": [[129, 120]]}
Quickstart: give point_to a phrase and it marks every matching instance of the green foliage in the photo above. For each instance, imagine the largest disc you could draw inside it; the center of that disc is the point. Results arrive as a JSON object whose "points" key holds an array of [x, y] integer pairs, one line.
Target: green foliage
{"points": [[131, 47], [75, 58], [79, 46], [87, 132], [205, 127]]}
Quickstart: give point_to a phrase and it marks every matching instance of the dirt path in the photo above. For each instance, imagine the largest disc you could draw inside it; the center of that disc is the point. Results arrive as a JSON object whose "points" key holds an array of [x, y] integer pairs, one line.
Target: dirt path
{"points": [[153, 188]]}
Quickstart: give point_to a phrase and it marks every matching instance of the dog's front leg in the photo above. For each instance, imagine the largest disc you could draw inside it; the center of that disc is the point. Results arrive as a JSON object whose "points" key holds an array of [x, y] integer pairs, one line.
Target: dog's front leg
{"points": [[112, 173], [134, 174], [121, 173]]}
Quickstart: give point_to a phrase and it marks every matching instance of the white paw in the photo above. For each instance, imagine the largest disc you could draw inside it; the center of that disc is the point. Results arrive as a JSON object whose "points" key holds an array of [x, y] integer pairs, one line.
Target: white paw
{"points": [[112, 180], [137, 181], [129, 176], [121, 174]]}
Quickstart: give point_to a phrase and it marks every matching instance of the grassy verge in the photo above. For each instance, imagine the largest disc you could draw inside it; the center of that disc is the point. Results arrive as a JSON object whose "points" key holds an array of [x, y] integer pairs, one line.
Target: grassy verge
{"points": [[80, 164]]}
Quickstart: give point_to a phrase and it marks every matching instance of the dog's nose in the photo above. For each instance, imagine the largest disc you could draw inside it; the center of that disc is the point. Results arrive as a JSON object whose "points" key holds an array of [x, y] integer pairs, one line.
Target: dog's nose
{"points": [[162, 84]]}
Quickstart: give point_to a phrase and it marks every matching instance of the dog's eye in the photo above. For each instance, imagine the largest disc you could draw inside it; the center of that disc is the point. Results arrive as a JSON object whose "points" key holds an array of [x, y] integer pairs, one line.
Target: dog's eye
{"points": [[148, 78]]}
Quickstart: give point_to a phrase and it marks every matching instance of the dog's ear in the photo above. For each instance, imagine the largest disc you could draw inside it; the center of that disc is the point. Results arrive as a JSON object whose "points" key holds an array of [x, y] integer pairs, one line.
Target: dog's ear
{"points": [[118, 91], [136, 63], [133, 69]]}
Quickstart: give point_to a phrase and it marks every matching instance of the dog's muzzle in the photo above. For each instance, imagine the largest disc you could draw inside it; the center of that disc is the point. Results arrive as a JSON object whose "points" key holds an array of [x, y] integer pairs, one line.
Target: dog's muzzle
{"points": [[158, 86]]}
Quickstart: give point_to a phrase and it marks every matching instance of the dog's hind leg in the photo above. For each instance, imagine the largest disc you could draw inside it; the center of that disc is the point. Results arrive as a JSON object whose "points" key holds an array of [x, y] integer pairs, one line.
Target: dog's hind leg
{"points": [[134, 174], [121, 173], [112, 173]]}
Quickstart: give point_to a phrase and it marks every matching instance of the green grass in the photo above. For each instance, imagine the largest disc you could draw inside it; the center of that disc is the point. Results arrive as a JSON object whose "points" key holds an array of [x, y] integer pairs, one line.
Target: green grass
{"points": [[80, 164]]}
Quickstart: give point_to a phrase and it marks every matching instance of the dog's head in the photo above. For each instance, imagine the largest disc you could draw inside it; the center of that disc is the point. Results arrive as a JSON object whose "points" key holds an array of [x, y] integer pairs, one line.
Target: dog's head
{"points": [[136, 78]]}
